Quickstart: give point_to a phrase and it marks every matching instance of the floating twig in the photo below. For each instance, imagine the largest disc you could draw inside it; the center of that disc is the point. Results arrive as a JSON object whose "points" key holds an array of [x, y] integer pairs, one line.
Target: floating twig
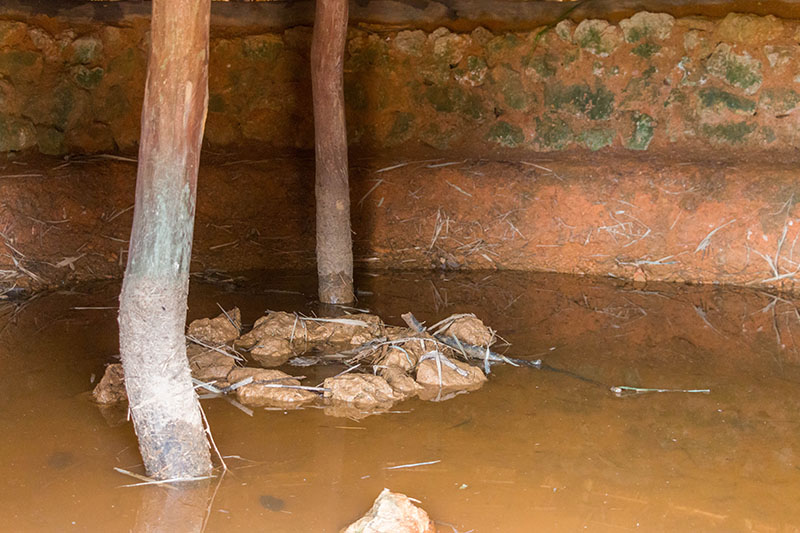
{"points": [[622, 390], [412, 465], [224, 245]]}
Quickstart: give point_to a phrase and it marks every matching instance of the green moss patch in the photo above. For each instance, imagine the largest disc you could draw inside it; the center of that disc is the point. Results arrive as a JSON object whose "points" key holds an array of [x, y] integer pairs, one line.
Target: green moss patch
{"points": [[505, 134]]}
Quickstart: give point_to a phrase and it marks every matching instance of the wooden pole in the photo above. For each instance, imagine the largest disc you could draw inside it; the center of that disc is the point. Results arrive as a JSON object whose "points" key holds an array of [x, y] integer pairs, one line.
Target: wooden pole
{"points": [[334, 242], [163, 405]]}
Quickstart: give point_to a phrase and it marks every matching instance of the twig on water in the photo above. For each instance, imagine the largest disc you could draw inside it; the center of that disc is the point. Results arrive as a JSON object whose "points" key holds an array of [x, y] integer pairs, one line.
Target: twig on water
{"points": [[224, 245], [622, 390], [412, 465]]}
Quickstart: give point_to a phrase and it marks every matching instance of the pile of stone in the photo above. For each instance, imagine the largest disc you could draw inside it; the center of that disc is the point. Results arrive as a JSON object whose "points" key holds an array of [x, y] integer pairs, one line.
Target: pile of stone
{"points": [[385, 364]]}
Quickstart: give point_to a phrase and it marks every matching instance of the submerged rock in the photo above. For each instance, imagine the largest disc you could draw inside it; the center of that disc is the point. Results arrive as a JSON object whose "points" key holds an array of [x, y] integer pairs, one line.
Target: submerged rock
{"points": [[217, 330], [362, 390], [263, 390], [351, 329], [272, 351], [403, 385], [208, 365], [466, 378], [414, 346], [401, 357], [393, 512], [111, 388], [306, 332], [470, 329], [275, 324]]}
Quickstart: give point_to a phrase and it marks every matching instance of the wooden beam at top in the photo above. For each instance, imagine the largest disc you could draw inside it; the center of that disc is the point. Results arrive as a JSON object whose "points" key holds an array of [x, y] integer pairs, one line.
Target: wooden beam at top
{"points": [[462, 15]]}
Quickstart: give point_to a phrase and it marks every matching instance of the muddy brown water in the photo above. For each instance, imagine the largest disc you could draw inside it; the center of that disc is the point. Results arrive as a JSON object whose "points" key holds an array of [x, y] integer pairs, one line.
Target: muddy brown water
{"points": [[531, 451]]}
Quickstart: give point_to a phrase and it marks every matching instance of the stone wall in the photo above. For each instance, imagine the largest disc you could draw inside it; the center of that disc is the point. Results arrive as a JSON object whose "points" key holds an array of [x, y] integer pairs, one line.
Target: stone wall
{"points": [[649, 82]]}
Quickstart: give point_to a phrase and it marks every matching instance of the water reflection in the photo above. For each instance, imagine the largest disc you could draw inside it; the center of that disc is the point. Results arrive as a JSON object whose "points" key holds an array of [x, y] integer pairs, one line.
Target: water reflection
{"points": [[177, 507]]}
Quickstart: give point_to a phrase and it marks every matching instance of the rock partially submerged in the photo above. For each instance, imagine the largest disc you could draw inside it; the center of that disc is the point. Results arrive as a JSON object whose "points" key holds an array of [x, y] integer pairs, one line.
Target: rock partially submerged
{"points": [[269, 388], [393, 512], [208, 365], [270, 352], [361, 390], [304, 333], [449, 374], [276, 324], [470, 329], [403, 385], [111, 388], [219, 330]]}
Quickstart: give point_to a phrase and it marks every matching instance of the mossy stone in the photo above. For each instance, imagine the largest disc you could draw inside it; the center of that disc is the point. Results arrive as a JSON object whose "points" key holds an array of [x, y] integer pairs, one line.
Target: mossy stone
{"points": [[597, 138], [88, 78], [779, 101], [597, 104], [475, 72], [506, 134], [12, 33], [729, 132], [597, 36], [367, 52], [647, 26], [552, 132], [410, 42], [16, 133], [646, 50], [643, 131], [50, 140], [509, 84], [443, 99], [87, 50], [21, 65], [768, 134], [543, 65], [717, 99], [739, 70], [749, 29], [472, 106]]}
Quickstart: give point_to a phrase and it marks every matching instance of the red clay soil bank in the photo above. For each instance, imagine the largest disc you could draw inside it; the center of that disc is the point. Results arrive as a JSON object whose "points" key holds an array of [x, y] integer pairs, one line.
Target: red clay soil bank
{"points": [[644, 218]]}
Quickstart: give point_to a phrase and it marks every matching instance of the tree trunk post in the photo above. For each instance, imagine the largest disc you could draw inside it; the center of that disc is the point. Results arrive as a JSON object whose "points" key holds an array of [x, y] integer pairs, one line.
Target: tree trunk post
{"points": [[334, 242], [152, 315]]}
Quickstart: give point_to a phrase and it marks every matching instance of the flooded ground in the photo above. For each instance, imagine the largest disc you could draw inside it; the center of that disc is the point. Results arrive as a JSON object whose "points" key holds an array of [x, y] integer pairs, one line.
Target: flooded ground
{"points": [[532, 450]]}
